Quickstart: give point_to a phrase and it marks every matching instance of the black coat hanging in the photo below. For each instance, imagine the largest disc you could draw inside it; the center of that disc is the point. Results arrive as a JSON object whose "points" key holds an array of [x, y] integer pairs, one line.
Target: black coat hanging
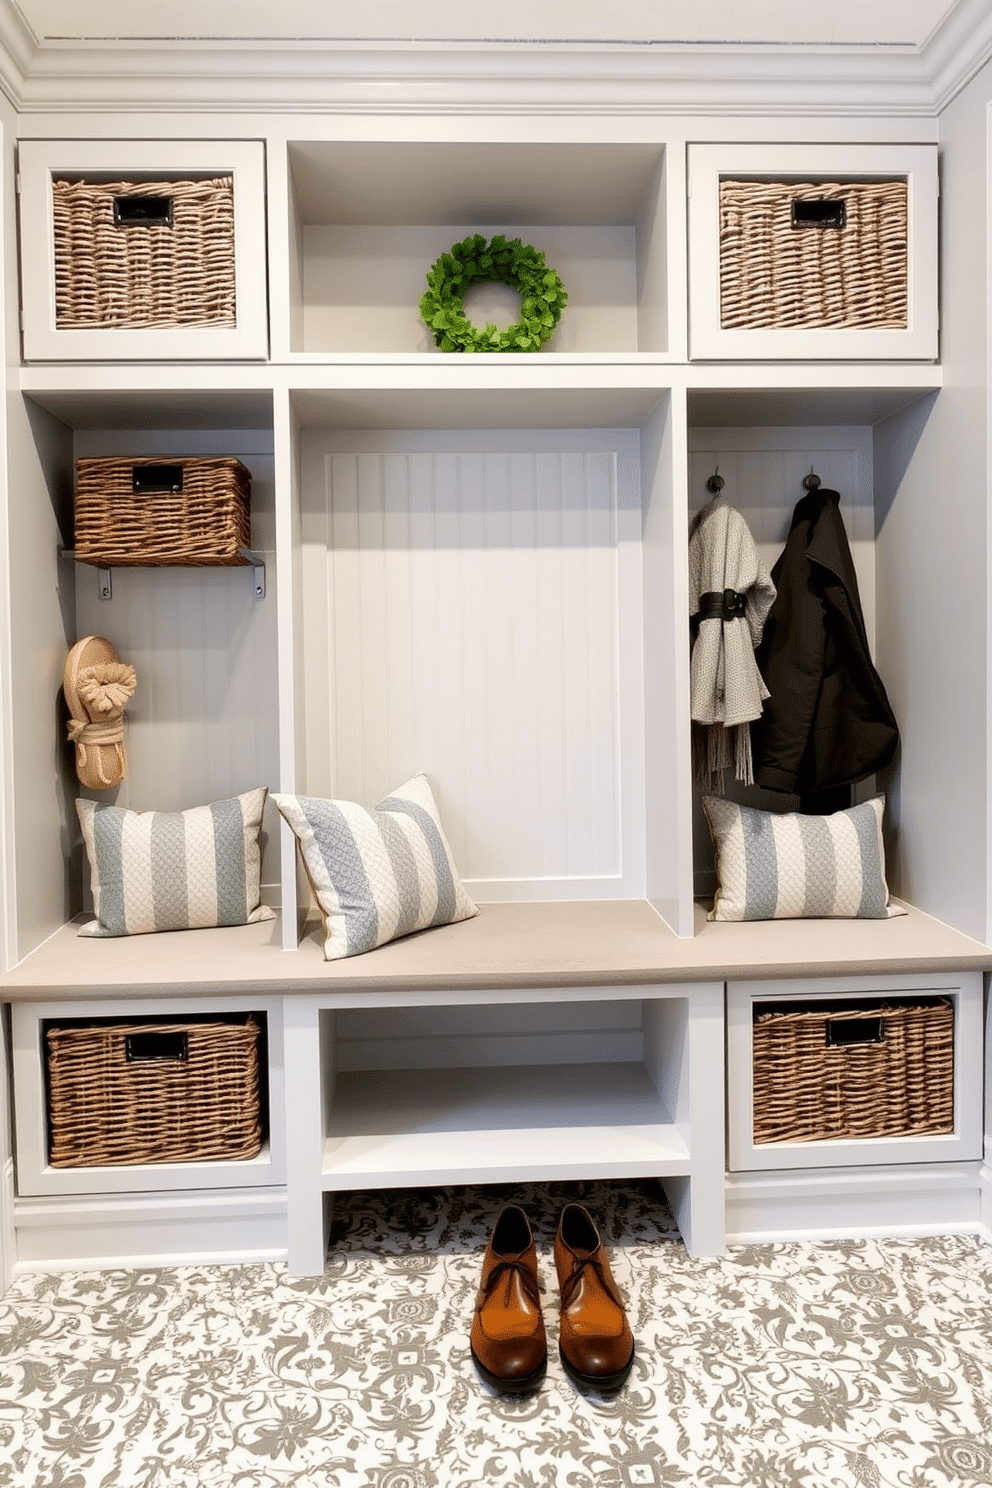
{"points": [[828, 721]]}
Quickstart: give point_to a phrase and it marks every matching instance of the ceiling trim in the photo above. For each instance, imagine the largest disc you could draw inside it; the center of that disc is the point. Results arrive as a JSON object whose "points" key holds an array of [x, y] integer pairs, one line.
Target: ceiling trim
{"points": [[458, 78], [18, 49], [957, 51]]}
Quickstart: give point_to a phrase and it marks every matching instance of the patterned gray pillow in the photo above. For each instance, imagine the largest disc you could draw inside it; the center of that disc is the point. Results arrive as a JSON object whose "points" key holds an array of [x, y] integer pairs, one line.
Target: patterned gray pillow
{"points": [[183, 870], [788, 867], [377, 875]]}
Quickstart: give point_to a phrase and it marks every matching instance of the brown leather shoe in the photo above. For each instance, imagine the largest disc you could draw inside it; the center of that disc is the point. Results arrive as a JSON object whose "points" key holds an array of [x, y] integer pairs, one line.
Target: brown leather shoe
{"points": [[509, 1345], [595, 1344]]}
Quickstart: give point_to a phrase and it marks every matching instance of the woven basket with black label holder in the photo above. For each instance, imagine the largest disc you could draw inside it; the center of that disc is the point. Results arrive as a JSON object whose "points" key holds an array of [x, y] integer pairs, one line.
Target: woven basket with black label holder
{"points": [[814, 254], [160, 511], [143, 254], [153, 1092], [832, 1070]]}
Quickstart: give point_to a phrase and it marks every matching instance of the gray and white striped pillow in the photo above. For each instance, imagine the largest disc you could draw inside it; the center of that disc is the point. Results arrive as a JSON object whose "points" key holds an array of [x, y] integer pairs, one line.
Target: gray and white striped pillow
{"points": [[183, 870], [377, 875], [788, 867]]}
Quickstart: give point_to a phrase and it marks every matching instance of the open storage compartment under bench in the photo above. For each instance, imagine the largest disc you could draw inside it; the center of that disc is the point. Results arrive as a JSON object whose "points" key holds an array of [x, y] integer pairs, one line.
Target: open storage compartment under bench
{"points": [[506, 1085]]}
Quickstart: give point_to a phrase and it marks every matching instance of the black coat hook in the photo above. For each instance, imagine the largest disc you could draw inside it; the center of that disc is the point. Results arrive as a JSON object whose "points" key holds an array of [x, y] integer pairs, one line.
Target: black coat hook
{"points": [[811, 482], [715, 482]]}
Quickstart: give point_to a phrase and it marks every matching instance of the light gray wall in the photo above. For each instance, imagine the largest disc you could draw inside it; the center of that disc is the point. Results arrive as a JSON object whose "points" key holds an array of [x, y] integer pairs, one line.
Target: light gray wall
{"points": [[931, 472]]}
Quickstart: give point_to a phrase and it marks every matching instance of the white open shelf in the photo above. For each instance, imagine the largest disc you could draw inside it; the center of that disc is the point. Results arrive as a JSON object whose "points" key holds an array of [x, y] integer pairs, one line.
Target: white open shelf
{"points": [[526, 1123], [535, 1084], [368, 220]]}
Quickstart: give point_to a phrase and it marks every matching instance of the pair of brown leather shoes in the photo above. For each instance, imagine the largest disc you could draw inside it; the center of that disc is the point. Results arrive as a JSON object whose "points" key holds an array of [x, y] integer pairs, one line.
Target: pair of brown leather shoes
{"points": [[509, 1345]]}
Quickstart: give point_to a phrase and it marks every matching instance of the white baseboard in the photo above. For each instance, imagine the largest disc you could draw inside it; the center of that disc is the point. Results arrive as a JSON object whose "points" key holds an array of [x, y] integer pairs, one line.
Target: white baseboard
{"points": [[985, 1188], [76, 1232], [249, 1225], [909, 1199]]}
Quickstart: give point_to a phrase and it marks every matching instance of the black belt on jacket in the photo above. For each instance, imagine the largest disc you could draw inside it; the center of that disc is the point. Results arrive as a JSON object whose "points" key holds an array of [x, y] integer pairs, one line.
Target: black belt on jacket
{"points": [[730, 605]]}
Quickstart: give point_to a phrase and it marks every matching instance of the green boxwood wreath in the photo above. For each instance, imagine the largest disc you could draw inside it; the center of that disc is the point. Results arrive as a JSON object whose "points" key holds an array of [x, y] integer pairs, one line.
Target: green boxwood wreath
{"points": [[542, 295]]}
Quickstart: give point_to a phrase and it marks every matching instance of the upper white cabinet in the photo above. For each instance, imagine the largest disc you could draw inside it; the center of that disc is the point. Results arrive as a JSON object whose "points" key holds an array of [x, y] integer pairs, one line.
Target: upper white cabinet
{"points": [[812, 252], [149, 251]]}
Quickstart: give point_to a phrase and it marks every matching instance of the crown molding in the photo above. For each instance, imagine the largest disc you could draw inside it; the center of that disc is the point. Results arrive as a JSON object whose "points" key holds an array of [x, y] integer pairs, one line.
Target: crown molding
{"points": [[478, 80], [18, 49], [469, 78], [957, 51]]}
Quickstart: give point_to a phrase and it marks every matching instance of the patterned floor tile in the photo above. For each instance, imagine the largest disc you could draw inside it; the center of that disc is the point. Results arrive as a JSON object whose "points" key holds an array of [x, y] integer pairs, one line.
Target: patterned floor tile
{"points": [[850, 1364]]}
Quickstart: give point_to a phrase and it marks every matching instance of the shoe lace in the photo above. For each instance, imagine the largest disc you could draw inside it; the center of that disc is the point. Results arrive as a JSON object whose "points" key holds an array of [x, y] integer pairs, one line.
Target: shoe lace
{"points": [[571, 1283], [508, 1267]]}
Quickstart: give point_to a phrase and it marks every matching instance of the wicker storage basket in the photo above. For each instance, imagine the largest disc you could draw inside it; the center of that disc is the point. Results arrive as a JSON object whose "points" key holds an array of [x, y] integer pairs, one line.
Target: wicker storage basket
{"points": [[829, 1071], [813, 254], [132, 254], [153, 1092], [148, 512]]}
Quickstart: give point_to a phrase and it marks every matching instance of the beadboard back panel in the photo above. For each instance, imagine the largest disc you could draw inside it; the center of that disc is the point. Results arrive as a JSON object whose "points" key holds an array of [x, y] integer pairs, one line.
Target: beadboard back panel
{"points": [[472, 610], [197, 728], [475, 1037], [763, 471]]}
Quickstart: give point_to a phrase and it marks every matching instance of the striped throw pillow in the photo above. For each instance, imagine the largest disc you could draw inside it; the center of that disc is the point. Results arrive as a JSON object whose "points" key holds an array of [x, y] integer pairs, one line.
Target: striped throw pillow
{"points": [[184, 870], [789, 867], [377, 875]]}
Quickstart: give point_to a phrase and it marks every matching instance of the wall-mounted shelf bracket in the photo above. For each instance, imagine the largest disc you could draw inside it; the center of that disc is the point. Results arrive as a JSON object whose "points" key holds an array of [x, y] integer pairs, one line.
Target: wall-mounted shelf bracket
{"points": [[257, 570], [105, 582]]}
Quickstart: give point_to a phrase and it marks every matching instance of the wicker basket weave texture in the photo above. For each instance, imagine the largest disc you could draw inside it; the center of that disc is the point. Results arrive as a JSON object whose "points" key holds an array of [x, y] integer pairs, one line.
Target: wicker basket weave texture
{"points": [[204, 524], [776, 276], [105, 1109], [114, 276], [807, 1090]]}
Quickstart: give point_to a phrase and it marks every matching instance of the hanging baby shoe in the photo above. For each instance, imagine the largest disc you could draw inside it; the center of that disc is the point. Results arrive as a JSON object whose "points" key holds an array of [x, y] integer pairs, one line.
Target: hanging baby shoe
{"points": [[97, 686]]}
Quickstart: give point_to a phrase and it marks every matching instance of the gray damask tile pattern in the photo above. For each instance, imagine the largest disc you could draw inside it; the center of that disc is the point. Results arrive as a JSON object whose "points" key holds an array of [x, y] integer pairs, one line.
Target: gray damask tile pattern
{"points": [[845, 1365]]}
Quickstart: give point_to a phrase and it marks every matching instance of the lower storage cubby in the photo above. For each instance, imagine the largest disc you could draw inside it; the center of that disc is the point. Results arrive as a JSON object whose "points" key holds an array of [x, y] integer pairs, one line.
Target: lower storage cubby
{"points": [[541, 1091], [875, 1070], [112, 1098], [483, 1086], [868, 1068]]}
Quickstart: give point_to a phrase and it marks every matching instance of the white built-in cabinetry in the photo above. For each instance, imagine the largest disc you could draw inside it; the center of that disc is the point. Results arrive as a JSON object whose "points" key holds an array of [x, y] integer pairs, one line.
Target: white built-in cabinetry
{"points": [[963, 1143], [46, 337], [710, 337], [475, 567]]}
